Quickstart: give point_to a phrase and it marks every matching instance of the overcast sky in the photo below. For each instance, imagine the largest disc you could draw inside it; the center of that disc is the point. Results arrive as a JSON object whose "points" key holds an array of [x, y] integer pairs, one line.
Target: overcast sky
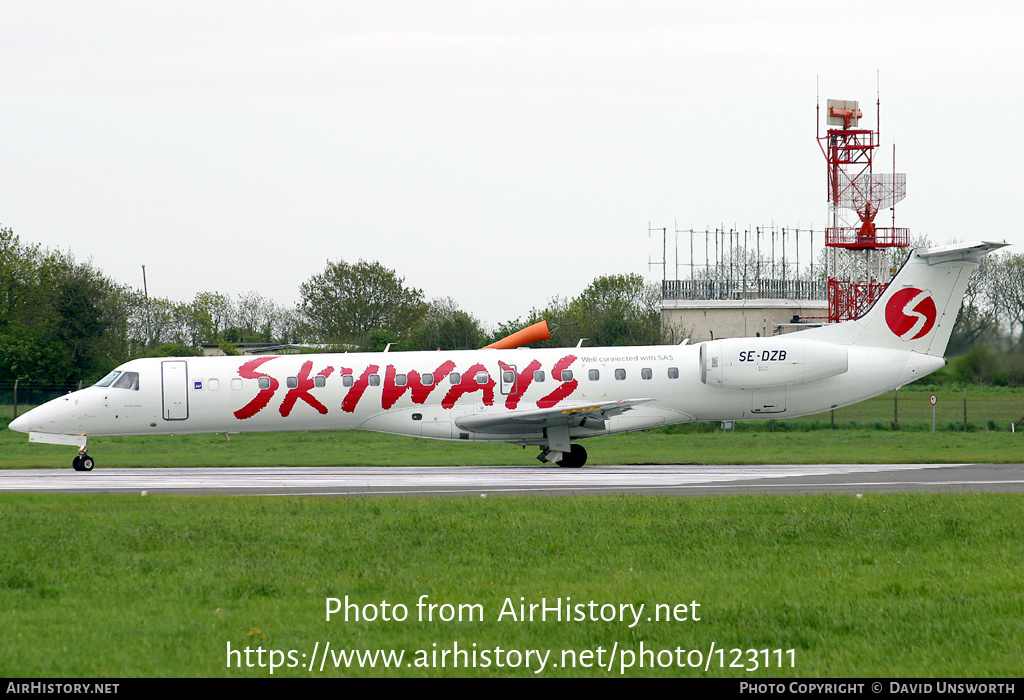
{"points": [[500, 153]]}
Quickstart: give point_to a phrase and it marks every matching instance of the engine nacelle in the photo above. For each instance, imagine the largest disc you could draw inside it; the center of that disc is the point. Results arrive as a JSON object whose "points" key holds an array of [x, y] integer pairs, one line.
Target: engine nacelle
{"points": [[760, 363]]}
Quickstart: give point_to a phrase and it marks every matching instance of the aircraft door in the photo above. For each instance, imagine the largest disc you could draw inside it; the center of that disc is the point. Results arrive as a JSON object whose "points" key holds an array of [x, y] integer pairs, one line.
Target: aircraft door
{"points": [[507, 380], [771, 400], [174, 377]]}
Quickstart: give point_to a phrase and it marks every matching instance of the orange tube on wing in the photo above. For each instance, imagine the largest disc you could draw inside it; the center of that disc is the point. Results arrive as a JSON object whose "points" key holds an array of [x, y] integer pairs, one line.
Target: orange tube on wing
{"points": [[531, 334]]}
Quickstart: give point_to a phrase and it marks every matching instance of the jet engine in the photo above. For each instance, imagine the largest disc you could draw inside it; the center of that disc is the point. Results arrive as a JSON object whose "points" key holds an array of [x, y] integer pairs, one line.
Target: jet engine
{"points": [[760, 363]]}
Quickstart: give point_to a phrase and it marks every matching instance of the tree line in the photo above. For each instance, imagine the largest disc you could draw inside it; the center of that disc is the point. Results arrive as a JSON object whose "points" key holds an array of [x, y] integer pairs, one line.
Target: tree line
{"points": [[65, 321], [62, 320]]}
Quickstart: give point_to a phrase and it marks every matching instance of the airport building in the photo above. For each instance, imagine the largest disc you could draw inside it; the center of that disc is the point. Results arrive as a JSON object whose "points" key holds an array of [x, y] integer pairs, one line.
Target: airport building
{"points": [[756, 283]]}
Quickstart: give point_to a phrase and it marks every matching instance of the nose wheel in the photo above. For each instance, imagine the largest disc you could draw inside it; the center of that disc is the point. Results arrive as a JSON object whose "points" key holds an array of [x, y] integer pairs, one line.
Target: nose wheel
{"points": [[83, 463]]}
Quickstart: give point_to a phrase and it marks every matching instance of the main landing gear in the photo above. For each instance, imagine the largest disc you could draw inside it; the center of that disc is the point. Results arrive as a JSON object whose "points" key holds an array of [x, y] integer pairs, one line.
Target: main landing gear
{"points": [[83, 462], [575, 458], [559, 450]]}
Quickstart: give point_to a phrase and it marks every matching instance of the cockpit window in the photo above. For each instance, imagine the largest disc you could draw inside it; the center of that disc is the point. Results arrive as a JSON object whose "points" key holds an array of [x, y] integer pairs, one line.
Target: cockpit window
{"points": [[107, 380], [127, 380]]}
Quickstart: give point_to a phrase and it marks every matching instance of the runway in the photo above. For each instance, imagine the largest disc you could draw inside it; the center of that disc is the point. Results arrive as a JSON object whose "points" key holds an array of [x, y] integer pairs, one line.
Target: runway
{"points": [[676, 480]]}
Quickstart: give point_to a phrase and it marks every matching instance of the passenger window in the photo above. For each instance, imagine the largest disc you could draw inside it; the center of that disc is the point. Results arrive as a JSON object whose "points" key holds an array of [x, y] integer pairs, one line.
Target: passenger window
{"points": [[593, 375], [673, 373], [264, 382], [292, 382], [374, 380], [455, 378], [566, 375], [620, 374], [646, 373], [400, 380], [538, 376], [347, 380], [236, 384], [319, 380], [213, 384], [428, 379], [127, 380], [508, 377], [482, 377]]}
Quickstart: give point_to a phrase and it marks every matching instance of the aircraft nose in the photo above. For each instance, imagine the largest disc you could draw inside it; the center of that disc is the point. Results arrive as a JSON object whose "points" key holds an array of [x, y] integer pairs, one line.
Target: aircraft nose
{"points": [[20, 423], [51, 417]]}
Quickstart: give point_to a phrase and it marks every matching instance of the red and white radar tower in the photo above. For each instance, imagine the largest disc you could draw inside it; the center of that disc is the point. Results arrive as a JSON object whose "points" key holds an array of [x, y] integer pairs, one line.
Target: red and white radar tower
{"points": [[858, 267]]}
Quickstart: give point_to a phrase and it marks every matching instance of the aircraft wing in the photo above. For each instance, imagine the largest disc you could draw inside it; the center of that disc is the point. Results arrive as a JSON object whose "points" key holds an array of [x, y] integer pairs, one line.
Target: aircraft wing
{"points": [[532, 421]]}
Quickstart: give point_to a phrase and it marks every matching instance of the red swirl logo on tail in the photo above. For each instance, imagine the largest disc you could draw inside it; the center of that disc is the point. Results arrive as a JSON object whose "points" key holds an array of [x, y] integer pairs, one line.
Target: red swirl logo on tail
{"points": [[910, 313]]}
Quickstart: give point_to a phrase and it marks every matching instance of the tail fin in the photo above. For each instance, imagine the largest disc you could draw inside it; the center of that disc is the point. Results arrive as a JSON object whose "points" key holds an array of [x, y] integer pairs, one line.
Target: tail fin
{"points": [[918, 309]]}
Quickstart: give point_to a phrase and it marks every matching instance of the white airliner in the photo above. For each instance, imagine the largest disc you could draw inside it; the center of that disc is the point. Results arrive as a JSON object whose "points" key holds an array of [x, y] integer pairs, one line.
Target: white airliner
{"points": [[524, 396]]}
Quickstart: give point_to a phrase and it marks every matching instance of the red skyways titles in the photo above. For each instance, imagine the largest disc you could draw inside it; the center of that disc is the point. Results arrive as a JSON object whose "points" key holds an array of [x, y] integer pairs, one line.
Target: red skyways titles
{"points": [[396, 385], [300, 391], [248, 371]]}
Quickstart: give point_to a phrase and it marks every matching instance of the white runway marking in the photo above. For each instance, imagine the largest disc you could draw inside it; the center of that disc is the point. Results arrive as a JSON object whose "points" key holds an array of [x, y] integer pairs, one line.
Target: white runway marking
{"points": [[393, 480]]}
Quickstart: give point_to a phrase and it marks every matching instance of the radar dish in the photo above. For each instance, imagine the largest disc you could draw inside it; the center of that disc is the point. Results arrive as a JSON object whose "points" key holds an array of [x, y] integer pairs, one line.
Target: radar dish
{"points": [[880, 191]]}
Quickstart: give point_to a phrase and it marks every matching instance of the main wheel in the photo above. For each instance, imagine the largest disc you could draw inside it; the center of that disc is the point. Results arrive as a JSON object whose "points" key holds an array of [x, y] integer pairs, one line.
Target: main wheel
{"points": [[83, 463], [576, 457]]}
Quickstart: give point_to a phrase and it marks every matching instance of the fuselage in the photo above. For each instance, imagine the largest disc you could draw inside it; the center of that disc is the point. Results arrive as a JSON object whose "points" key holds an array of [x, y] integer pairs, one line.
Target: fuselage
{"points": [[438, 394]]}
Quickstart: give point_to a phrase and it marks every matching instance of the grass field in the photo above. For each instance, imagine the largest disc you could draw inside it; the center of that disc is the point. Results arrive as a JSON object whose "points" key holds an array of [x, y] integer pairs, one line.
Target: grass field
{"points": [[893, 585], [885, 585], [861, 446], [864, 434]]}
